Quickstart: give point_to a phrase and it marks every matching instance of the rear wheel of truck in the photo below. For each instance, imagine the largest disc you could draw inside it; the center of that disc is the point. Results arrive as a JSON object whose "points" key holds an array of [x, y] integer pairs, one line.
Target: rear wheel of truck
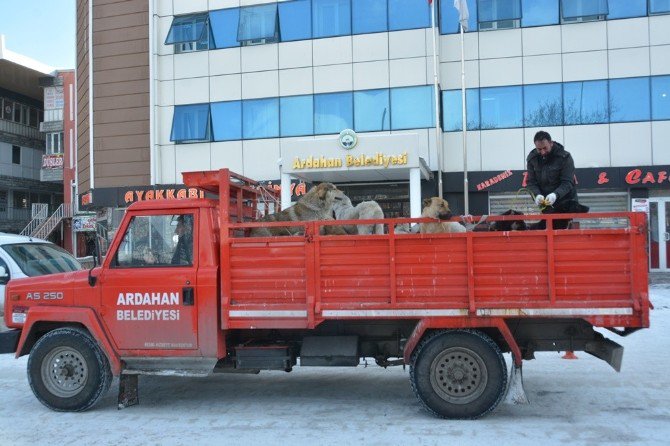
{"points": [[458, 374], [67, 370]]}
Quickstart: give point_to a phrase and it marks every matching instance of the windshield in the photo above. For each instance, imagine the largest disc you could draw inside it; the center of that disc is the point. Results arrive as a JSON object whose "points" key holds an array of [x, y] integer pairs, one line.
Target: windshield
{"points": [[38, 259]]}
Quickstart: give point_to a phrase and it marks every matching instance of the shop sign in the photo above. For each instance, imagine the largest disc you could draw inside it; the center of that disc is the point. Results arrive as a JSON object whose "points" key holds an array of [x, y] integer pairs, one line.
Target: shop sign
{"points": [[53, 98], [132, 196], [83, 223], [87, 199], [640, 205], [379, 159], [52, 161], [297, 189]]}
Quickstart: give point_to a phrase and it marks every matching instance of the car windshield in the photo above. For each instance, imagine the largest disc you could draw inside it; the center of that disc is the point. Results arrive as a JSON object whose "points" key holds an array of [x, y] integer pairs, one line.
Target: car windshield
{"points": [[38, 259]]}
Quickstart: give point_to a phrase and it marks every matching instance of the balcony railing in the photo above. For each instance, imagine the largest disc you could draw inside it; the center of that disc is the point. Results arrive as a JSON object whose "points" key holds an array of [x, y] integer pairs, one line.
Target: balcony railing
{"points": [[20, 130], [12, 213]]}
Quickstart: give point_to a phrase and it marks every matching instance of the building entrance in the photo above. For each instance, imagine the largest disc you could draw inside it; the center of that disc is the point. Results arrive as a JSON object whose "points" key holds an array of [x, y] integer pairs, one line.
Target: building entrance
{"points": [[659, 234], [392, 198]]}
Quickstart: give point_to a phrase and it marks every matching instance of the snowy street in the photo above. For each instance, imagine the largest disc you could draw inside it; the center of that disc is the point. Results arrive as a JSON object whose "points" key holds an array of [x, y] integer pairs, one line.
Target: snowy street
{"points": [[572, 402]]}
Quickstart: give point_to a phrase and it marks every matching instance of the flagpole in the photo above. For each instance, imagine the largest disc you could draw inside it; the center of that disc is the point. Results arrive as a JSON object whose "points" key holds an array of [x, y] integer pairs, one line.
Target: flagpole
{"points": [[436, 91], [466, 204]]}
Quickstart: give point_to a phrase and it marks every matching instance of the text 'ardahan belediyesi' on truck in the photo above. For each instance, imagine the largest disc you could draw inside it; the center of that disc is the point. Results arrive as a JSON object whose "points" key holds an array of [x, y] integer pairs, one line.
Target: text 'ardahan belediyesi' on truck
{"points": [[448, 305]]}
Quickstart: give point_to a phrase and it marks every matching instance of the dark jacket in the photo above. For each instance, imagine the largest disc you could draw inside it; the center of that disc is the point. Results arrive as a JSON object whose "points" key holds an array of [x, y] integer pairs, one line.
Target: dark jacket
{"points": [[553, 173]]}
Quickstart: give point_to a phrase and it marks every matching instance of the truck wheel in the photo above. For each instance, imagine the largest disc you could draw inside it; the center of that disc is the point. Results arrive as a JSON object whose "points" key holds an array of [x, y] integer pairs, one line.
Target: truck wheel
{"points": [[458, 374], [67, 370]]}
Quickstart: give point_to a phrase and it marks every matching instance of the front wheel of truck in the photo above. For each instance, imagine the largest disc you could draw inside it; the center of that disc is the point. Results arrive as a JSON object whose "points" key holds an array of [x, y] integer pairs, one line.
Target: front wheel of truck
{"points": [[67, 370], [458, 374]]}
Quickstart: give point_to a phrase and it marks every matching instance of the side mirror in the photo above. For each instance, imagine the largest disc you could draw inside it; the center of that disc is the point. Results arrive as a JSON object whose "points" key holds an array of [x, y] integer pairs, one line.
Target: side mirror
{"points": [[4, 276]]}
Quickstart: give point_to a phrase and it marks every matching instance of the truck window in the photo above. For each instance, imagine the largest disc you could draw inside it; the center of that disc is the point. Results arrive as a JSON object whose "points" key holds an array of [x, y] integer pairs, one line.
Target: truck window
{"points": [[157, 241]]}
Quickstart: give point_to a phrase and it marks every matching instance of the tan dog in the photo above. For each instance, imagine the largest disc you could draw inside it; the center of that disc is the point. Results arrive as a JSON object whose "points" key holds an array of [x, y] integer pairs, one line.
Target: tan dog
{"points": [[438, 208], [365, 210], [317, 204]]}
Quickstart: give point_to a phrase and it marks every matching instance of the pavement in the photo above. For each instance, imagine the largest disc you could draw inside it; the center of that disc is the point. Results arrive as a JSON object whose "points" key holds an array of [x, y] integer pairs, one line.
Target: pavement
{"points": [[659, 278]]}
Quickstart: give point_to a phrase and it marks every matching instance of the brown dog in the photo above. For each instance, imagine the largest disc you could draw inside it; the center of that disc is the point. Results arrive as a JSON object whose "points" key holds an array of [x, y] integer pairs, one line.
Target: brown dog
{"points": [[438, 208], [317, 204]]}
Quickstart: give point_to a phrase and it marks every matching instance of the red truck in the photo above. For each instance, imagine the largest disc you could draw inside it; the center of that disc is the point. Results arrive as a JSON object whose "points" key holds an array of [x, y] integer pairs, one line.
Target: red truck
{"points": [[447, 305]]}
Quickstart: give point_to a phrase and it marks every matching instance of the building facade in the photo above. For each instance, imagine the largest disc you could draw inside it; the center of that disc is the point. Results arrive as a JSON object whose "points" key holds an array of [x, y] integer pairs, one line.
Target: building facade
{"points": [[181, 85], [22, 145]]}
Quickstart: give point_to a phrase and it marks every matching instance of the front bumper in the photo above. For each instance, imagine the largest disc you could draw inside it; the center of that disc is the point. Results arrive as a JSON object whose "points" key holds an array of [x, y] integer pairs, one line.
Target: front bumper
{"points": [[9, 340]]}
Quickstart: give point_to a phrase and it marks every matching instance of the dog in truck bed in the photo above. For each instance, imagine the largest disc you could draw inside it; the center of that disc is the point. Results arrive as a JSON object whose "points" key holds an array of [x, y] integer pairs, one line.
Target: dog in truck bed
{"points": [[438, 208], [317, 204]]}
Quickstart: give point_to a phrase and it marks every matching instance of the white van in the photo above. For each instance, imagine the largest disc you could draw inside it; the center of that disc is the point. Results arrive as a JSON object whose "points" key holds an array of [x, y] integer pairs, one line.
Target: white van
{"points": [[22, 256]]}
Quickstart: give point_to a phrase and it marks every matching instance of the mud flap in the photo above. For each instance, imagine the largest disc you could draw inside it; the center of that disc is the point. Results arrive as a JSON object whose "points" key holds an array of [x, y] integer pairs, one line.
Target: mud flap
{"points": [[515, 391], [128, 395]]}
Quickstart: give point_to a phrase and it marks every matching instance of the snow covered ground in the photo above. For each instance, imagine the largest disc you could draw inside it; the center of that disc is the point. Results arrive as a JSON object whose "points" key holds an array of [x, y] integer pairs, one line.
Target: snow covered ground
{"points": [[582, 402]]}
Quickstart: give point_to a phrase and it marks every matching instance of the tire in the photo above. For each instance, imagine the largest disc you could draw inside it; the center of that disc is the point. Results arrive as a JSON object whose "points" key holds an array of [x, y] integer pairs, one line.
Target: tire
{"points": [[67, 371], [458, 374]]}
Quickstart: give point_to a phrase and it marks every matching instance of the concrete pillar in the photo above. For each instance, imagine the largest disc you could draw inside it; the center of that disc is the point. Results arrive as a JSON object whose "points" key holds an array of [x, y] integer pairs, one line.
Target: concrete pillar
{"points": [[415, 192], [285, 191]]}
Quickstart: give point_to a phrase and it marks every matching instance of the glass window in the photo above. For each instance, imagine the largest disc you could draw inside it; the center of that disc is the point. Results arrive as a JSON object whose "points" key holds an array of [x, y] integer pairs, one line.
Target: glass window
{"points": [[33, 118], [155, 241], [449, 17], [501, 107], [543, 105], [258, 24], [585, 102], [226, 121], [621, 9], [573, 9], [496, 10], [408, 14], [333, 112], [659, 6], [630, 100], [16, 154], [413, 107], [186, 29], [190, 123], [539, 12], [224, 27], [660, 97], [331, 18], [295, 20], [296, 115], [452, 110], [38, 259], [260, 118], [368, 16], [371, 110], [7, 109]]}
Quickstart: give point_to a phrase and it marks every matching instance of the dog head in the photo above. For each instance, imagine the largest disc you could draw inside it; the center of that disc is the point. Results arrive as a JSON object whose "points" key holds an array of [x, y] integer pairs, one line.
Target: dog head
{"points": [[324, 196], [341, 201], [436, 207]]}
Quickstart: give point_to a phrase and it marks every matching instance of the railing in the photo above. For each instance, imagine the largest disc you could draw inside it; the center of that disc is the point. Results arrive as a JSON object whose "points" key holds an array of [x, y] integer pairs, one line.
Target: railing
{"points": [[20, 129], [40, 211], [46, 228], [12, 213]]}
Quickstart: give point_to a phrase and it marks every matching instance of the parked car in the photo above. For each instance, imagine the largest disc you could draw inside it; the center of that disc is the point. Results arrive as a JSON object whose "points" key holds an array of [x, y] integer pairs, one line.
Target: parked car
{"points": [[22, 256]]}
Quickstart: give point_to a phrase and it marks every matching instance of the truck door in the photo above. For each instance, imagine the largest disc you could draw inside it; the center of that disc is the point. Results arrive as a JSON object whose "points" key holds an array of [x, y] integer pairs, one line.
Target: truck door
{"points": [[149, 285]]}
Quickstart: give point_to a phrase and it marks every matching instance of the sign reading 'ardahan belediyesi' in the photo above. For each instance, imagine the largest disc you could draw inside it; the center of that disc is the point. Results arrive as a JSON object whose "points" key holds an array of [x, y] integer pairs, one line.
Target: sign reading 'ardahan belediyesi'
{"points": [[379, 159]]}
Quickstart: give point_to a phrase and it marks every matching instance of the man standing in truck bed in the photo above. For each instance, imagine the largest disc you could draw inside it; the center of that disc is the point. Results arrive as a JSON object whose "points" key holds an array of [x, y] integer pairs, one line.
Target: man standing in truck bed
{"points": [[551, 178]]}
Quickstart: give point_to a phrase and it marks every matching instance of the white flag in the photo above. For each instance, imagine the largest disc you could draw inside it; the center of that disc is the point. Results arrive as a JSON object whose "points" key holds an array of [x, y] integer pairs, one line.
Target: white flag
{"points": [[463, 13]]}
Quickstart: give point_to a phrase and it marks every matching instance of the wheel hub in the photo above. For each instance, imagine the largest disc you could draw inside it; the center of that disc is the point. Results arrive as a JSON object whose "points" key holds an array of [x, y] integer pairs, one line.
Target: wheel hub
{"points": [[64, 372], [458, 375]]}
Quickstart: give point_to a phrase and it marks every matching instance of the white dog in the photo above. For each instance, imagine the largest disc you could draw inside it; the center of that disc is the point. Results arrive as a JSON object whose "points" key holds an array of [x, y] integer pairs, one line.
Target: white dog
{"points": [[365, 210]]}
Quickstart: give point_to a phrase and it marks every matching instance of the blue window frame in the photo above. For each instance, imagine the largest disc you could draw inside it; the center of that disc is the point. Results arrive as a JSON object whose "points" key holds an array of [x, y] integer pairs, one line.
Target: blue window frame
{"points": [[224, 23], [497, 10], [539, 12], [260, 118], [258, 24], [573, 9], [331, 18], [408, 14], [660, 97], [449, 23], [659, 6], [585, 102], [630, 100], [413, 108], [296, 115], [295, 20], [190, 123], [226, 121], [452, 110], [501, 107], [371, 110], [368, 16], [333, 112], [189, 28], [621, 9], [542, 105]]}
